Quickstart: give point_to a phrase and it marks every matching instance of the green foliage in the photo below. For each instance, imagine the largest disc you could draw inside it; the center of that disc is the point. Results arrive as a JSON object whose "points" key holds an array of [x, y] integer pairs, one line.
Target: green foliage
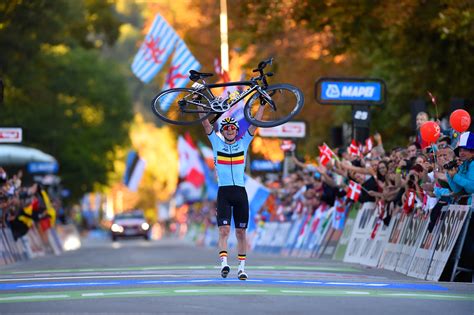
{"points": [[415, 46], [69, 101]]}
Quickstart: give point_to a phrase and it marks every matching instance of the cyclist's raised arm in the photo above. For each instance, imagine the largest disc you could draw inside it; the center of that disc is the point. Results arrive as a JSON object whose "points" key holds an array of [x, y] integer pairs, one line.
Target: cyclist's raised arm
{"points": [[257, 116], [205, 123]]}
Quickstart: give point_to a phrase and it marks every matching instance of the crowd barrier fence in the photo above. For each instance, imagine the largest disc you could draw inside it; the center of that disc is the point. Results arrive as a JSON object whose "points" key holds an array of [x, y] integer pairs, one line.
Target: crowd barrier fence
{"points": [[409, 244], [36, 243]]}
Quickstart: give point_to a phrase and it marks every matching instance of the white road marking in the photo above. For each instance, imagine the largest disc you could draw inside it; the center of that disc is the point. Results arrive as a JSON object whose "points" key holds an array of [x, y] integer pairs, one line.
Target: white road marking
{"points": [[64, 284], [92, 277], [358, 292], [30, 297]]}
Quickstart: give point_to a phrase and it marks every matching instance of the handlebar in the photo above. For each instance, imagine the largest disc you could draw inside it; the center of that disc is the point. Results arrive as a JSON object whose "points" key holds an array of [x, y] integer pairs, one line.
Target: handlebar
{"points": [[262, 64]]}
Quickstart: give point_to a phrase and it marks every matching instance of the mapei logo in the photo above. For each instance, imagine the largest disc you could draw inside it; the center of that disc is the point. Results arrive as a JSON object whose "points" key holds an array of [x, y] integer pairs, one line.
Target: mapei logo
{"points": [[348, 91], [333, 91]]}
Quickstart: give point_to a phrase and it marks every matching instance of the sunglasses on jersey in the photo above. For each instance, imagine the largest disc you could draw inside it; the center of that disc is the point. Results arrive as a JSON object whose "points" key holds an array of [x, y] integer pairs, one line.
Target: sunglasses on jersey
{"points": [[229, 127]]}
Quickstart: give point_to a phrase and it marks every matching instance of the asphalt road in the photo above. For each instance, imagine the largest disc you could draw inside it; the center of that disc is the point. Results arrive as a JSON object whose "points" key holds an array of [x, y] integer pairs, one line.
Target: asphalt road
{"points": [[174, 277]]}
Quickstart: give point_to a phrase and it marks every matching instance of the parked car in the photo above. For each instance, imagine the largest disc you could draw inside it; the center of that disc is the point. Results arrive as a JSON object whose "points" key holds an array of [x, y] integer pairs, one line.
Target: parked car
{"points": [[130, 224]]}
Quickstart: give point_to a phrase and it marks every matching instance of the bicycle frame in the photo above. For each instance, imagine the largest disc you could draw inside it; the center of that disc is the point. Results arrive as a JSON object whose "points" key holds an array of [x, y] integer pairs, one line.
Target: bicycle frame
{"points": [[253, 86]]}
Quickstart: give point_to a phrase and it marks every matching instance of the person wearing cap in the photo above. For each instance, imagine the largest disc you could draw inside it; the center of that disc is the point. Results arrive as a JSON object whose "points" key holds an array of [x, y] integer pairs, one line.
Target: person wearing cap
{"points": [[462, 177]]}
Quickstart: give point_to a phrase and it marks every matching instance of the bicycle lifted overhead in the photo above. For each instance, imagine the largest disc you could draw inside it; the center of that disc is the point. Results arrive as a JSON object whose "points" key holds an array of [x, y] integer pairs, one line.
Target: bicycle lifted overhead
{"points": [[186, 106]]}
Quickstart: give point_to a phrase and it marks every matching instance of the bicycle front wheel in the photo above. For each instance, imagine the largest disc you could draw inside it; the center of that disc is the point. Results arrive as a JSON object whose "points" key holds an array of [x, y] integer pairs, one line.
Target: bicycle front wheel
{"points": [[181, 106], [287, 100]]}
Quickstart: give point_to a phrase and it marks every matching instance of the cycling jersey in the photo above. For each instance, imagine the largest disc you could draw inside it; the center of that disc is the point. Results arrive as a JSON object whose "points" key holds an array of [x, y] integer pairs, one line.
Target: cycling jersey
{"points": [[229, 159]]}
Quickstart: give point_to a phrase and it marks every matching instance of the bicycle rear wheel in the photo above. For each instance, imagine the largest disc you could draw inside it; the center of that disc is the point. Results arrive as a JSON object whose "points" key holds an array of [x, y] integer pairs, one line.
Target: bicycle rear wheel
{"points": [[288, 101], [181, 106]]}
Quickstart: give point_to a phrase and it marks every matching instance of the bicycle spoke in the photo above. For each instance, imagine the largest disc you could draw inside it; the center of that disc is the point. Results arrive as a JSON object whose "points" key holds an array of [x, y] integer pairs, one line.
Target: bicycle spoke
{"points": [[181, 106], [287, 102]]}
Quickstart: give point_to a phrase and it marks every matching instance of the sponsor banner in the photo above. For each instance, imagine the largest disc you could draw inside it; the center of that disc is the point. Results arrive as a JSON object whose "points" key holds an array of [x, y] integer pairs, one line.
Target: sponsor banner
{"points": [[360, 238], [371, 257], [304, 232], [314, 229], [410, 240], [279, 239], [42, 167], [267, 238], [291, 129], [389, 258], [11, 135], [346, 234], [330, 245], [340, 91], [424, 253], [265, 166], [453, 219], [322, 231], [293, 235]]}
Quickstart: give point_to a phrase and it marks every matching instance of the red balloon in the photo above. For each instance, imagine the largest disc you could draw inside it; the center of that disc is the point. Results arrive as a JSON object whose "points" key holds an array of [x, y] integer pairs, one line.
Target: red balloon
{"points": [[460, 120], [430, 131]]}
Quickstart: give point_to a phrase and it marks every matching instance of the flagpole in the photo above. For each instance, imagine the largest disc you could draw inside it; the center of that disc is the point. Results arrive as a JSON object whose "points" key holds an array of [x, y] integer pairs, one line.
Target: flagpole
{"points": [[224, 38]]}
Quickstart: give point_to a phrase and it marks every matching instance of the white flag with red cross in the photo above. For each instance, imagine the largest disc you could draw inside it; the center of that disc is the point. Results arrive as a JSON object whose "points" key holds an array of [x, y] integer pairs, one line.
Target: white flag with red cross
{"points": [[353, 148], [353, 190], [325, 154]]}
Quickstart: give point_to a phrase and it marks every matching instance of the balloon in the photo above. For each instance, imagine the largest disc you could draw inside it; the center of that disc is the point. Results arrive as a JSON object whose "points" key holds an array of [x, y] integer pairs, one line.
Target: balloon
{"points": [[460, 120], [430, 131]]}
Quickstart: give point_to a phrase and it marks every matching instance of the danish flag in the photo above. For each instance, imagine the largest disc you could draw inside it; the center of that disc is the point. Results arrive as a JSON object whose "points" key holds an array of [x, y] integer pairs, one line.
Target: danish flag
{"points": [[353, 190], [409, 204], [325, 154], [354, 148], [369, 144]]}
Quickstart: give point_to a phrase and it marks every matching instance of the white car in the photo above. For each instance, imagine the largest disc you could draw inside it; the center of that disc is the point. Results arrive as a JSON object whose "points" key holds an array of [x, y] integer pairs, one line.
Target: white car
{"points": [[130, 224]]}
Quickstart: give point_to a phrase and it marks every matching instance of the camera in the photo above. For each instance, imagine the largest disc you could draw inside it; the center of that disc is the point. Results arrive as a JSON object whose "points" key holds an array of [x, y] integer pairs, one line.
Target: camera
{"points": [[450, 165]]}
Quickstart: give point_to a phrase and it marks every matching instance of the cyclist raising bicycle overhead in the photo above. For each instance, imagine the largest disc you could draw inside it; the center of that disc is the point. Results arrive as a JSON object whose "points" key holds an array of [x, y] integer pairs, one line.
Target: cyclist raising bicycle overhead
{"points": [[229, 159]]}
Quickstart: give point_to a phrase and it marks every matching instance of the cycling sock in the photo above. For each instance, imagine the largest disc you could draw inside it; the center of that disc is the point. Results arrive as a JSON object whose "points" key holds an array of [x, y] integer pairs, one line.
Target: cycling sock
{"points": [[223, 256], [242, 258]]}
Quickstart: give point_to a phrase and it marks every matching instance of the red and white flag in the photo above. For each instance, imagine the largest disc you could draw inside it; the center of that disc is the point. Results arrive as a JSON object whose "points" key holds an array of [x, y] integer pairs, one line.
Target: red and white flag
{"points": [[353, 148], [369, 144], [325, 154], [288, 146], [353, 190], [190, 167]]}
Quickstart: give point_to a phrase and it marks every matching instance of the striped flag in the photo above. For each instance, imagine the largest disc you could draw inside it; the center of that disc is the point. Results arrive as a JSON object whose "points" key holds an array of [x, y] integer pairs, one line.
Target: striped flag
{"points": [[154, 52], [178, 74], [134, 170], [257, 196]]}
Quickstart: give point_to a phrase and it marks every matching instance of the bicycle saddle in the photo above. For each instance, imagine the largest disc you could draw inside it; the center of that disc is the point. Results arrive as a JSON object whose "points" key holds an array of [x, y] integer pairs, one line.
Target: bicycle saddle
{"points": [[195, 75]]}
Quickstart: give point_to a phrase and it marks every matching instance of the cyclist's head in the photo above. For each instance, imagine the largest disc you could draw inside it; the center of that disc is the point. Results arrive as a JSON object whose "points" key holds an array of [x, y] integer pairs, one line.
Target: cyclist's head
{"points": [[229, 123]]}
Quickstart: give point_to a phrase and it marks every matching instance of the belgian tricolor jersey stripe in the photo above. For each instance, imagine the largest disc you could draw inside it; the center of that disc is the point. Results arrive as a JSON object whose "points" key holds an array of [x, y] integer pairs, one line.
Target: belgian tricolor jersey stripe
{"points": [[234, 158]]}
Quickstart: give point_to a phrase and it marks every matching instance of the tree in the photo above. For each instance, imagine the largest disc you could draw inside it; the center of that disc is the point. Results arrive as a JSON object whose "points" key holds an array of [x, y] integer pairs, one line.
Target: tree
{"points": [[70, 101]]}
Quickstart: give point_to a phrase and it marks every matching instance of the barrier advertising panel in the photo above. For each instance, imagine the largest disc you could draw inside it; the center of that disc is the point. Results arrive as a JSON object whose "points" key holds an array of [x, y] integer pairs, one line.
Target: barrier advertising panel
{"points": [[392, 249], [362, 228], [416, 226], [452, 223], [346, 234]]}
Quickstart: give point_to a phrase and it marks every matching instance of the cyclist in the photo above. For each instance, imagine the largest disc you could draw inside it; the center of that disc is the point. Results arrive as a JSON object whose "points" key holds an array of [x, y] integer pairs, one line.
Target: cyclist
{"points": [[229, 159]]}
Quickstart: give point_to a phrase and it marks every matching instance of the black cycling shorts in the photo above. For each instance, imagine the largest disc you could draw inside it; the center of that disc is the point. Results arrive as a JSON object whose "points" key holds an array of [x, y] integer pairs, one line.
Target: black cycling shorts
{"points": [[232, 200]]}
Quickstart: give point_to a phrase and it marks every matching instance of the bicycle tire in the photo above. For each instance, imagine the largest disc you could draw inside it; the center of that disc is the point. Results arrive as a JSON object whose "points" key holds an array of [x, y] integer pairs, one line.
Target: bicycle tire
{"points": [[166, 106], [288, 100]]}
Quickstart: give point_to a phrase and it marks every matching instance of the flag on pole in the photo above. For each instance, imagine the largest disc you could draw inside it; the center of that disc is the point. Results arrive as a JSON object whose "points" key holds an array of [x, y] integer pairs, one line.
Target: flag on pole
{"points": [[178, 73], [353, 190], [135, 168], [159, 43]]}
